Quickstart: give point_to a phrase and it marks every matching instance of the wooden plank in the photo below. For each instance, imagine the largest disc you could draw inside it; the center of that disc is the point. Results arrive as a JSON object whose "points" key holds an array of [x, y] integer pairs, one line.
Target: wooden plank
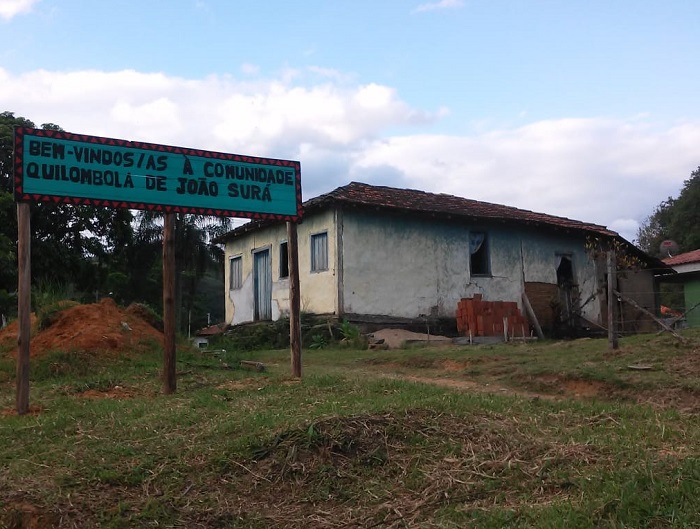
{"points": [[250, 364], [169, 328], [294, 299], [471, 318], [531, 316], [23, 306]]}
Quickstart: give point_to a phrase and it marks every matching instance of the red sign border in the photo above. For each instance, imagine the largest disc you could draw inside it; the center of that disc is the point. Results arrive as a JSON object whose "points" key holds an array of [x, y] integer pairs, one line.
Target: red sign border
{"points": [[20, 196]]}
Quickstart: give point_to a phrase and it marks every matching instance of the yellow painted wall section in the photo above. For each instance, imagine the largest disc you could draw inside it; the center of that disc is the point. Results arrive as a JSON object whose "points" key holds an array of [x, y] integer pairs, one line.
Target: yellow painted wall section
{"points": [[318, 289]]}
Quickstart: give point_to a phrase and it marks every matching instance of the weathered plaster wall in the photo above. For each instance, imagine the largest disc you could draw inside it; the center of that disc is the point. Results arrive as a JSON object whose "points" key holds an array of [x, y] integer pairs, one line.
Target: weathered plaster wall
{"points": [[406, 266], [541, 254], [401, 267]]}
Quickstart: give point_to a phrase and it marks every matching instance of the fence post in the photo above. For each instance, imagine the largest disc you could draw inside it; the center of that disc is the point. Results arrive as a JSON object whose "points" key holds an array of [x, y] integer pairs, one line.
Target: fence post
{"points": [[612, 283]]}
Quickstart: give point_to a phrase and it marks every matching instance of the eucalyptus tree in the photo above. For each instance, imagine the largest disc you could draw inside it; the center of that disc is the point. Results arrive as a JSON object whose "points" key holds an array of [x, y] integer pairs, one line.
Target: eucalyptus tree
{"points": [[195, 257]]}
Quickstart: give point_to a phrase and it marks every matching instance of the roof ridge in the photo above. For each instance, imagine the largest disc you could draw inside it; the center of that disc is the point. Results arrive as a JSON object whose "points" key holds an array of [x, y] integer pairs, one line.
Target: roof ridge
{"points": [[353, 185], [442, 204]]}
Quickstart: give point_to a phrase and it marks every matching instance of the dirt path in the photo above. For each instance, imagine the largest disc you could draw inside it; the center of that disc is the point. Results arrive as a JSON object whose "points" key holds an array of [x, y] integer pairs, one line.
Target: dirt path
{"points": [[468, 385], [397, 338]]}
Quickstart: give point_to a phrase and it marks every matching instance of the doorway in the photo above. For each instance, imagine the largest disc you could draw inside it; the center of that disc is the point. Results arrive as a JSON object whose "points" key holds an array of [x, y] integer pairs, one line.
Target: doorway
{"points": [[262, 284], [568, 292]]}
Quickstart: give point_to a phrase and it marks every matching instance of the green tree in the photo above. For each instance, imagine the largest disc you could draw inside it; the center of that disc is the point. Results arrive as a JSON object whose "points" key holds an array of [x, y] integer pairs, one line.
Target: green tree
{"points": [[677, 219], [72, 246], [8, 216]]}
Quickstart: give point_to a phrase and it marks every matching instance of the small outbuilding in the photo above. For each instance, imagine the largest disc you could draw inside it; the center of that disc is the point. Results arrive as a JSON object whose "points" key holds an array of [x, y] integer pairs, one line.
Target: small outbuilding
{"points": [[687, 267], [202, 336]]}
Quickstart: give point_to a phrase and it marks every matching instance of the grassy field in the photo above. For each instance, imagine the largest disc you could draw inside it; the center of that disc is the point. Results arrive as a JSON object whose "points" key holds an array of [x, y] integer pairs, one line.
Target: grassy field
{"points": [[550, 434]]}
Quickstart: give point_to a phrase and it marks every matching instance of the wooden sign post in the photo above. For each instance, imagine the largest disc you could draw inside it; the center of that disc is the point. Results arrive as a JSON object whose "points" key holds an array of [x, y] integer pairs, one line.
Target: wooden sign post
{"points": [[294, 299], [24, 302], [169, 323]]}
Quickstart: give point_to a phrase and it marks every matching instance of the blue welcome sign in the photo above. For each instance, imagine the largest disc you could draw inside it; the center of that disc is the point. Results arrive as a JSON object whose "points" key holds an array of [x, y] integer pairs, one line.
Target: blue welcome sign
{"points": [[57, 166]]}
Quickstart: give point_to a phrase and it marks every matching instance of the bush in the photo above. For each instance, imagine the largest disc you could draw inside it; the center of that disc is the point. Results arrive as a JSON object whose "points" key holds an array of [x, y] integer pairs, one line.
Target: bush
{"points": [[254, 336], [48, 314], [317, 332], [147, 314]]}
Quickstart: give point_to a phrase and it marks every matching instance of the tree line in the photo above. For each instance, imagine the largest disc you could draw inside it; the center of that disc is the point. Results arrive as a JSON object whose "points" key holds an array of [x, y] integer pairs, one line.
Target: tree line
{"points": [[676, 219], [86, 253]]}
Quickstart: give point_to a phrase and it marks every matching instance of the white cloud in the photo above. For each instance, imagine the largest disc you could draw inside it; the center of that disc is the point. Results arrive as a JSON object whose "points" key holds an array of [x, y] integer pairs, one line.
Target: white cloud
{"points": [[11, 8], [442, 4], [596, 170], [250, 69], [625, 227], [608, 171], [231, 112]]}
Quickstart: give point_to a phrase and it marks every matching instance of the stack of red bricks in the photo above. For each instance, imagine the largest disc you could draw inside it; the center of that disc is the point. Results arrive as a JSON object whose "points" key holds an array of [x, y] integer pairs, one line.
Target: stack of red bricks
{"points": [[476, 317]]}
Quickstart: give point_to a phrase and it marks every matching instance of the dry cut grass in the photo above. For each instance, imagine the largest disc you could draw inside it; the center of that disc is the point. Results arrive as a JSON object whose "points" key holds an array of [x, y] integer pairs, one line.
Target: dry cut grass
{"points": [[366, 439]]}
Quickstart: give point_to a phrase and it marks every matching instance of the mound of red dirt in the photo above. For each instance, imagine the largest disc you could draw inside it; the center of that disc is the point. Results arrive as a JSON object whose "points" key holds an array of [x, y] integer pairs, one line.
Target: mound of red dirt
{"points": [[97, 328]]}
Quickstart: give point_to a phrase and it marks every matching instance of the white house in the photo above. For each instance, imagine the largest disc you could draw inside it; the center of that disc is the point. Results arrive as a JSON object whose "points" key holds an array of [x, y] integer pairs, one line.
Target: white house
{"points": [[372, 252]]}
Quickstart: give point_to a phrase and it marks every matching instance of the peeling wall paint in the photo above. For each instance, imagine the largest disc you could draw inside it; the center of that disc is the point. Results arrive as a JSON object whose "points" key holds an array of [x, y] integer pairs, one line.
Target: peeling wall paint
{"points": [[403, 266]]}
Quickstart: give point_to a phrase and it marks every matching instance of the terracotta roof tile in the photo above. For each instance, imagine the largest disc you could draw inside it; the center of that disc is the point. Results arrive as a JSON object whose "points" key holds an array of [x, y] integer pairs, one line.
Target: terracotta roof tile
{"points": [[440, 205], [684, 258], [212, 330]]}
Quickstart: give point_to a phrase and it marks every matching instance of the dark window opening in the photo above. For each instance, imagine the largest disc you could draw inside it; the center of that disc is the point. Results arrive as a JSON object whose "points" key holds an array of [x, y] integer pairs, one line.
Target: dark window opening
{"points": [[479, 262], [565, 272], [284, 260]]}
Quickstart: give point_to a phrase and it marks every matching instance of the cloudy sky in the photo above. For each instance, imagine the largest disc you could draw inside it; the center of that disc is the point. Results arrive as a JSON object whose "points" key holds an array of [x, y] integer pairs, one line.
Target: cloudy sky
{"points": [[587, 109]]}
